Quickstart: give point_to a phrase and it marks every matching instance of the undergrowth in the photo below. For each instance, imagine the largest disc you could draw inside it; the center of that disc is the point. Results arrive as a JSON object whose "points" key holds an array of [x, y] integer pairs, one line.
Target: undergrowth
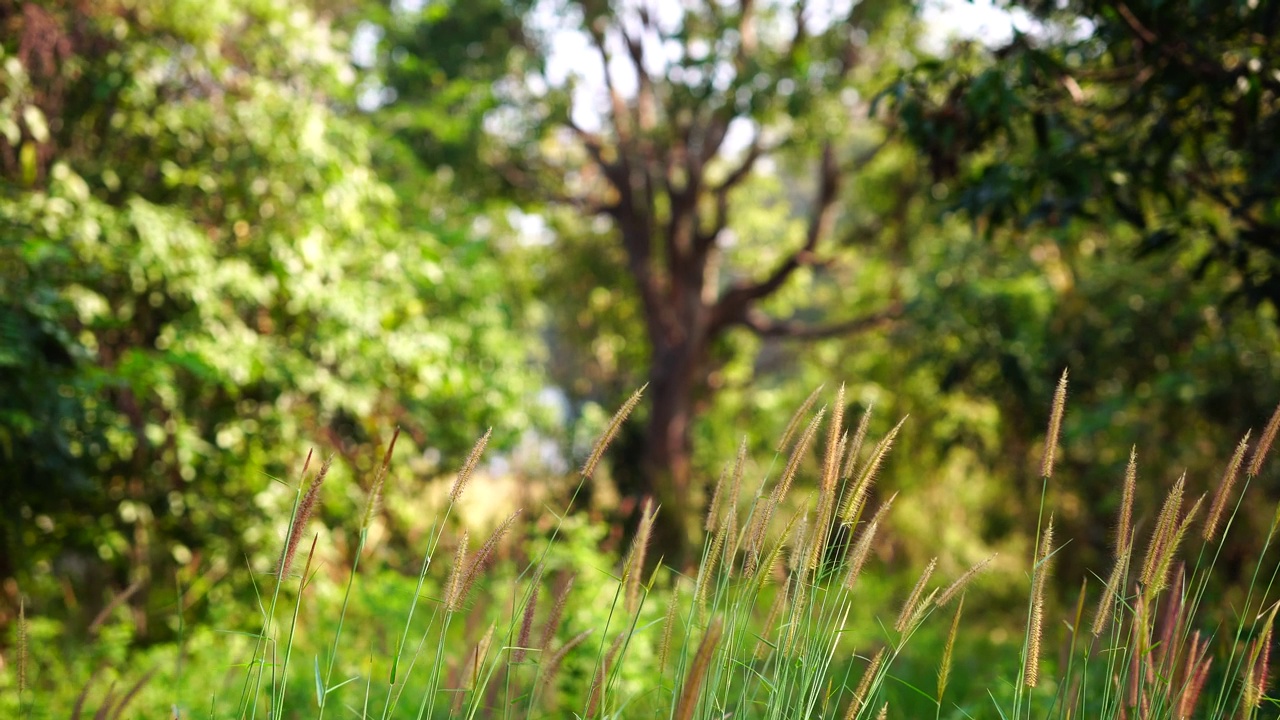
{"points": [[534, 621]]}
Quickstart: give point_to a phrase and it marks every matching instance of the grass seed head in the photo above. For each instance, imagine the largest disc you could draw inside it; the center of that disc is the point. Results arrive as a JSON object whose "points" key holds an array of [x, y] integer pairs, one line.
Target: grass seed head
{"points": [[1222, 493], [306, 506], [855, 447], [1035, 624], [862, 693], [958, 585], [796, 417], [1055, 428], [908, 612], [611, 432], [375, 490], [526, 620], [1264, 443], [468, 467], [697, 674]]}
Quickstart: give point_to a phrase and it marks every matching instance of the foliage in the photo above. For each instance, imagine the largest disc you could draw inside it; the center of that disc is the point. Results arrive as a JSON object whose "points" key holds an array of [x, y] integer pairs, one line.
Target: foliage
{"points": [[201, 262], [1120, 113], [720, 641], [640, 181]]}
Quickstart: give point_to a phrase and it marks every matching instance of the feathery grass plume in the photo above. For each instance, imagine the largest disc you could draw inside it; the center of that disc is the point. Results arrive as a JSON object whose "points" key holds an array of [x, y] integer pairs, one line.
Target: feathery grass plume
{"points": [[482, 651], [944, 670], [634, 567], [706, 576], [913, 600], [1169, 550], [1055, 428], [1165, 526], [760, 526], [776, 608], [1194, 675], [834, 454], [1264, 443], [1259, 664], [468, 467], [795, 561], [731, 508], [794, 423], [482, 556], [557, 658], [764, 570], [1222, 493], [453, 585], [710, 524], [668, 624], [800, 600], [836, 439], [797, 456], [610, 432], [855, 446], [1169, 646], [375, 490], [21, 650], [857, 497], [884, 712], [1140, 644], [864, 685], [1035, 624], [862, 549], [1110, 595], [557, 613], [526, 621], [1125, 526], [698, 671], [306, 507], [958, 585], [601, 678]]}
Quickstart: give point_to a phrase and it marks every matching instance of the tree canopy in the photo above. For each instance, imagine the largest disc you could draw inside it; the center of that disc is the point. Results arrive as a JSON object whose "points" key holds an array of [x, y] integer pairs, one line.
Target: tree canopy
{"points": [[203, 273]]}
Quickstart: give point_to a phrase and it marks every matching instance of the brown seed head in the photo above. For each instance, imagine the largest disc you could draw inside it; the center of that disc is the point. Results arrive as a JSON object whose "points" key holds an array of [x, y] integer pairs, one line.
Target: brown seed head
{"points": [[958, 586], [483, 555], [855, 447], [794, 423], [1055, 427], [454, 583], [1125, 526], [908, 612], [526, 621], [1264, 443], [468, 467], [306, 506], [1222, 493], [557, 613], [857, 497], [692, 689], [375, 490], [634, 567], [1035, 624], [860, 695], [610, 432]]}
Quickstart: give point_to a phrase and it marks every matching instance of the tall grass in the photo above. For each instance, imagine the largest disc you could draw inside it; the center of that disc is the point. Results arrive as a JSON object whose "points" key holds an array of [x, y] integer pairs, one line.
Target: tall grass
{"points": [[761, 628]]}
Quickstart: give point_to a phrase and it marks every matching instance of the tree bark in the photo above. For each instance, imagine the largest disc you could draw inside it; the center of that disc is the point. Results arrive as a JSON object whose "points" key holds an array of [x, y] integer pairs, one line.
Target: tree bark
{"points": [[675, 380]]}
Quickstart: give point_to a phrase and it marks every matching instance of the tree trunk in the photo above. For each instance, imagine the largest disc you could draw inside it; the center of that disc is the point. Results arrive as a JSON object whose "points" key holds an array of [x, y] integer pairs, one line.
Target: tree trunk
{"points": [[674, 379]]}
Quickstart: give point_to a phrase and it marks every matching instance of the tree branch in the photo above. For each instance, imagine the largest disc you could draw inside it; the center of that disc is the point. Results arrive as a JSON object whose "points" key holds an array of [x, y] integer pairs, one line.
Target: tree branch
{"points": [[764, 326], [736, 302]]}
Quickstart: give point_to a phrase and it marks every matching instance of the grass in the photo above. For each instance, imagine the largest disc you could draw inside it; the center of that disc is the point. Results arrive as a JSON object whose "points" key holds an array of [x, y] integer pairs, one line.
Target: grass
{"points": [[773, 623]]}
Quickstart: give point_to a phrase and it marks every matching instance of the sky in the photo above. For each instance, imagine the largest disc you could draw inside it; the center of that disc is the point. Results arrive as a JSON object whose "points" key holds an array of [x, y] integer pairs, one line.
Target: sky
{"points": [[571, 52]]}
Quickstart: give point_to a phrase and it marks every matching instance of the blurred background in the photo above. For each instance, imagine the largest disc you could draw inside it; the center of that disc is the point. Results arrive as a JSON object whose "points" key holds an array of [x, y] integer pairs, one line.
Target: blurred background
{"points": [[235, 230]]}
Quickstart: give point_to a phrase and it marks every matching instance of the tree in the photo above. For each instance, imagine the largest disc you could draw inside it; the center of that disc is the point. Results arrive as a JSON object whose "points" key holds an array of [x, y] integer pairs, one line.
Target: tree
{"points": [[694, 106], [204, 275], [1168, 119]]}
